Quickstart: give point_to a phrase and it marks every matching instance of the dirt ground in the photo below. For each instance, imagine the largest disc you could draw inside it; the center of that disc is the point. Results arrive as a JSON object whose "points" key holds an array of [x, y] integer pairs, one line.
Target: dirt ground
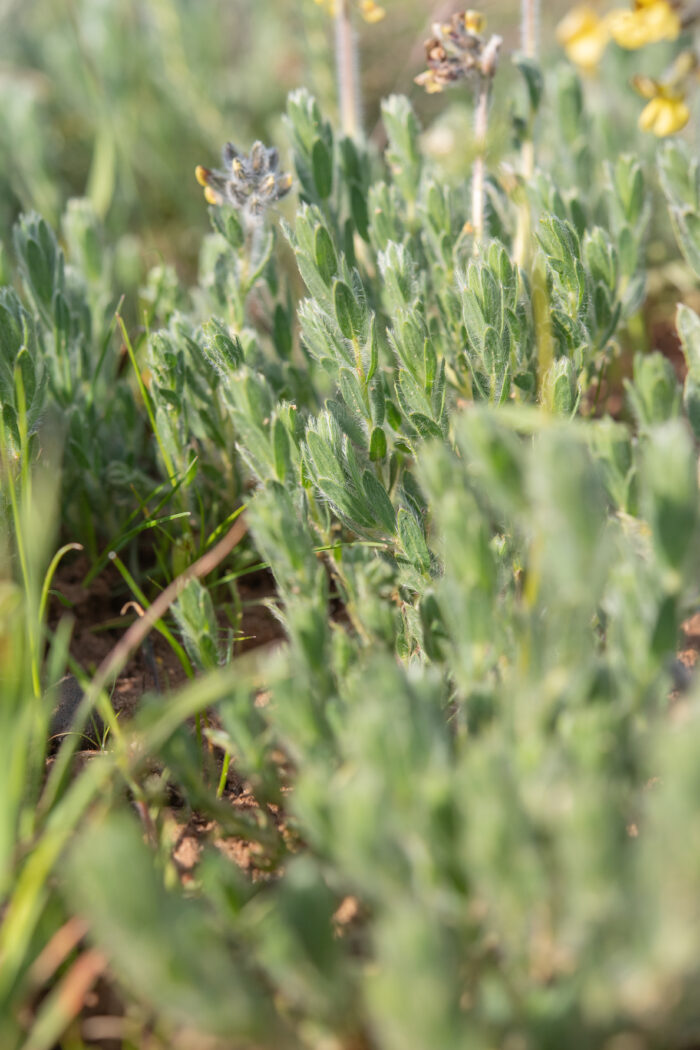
{"points": [[103, 611]]}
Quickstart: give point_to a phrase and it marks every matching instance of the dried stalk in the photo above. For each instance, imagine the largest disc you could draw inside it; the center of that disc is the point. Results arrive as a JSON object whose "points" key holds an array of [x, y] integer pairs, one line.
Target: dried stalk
{"points": [[530, 27], [346, 66], [481, 123]]}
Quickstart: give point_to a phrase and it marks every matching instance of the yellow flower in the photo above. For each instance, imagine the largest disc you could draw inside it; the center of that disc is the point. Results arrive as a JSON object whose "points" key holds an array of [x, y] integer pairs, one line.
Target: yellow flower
{"points": [[584, 37], [648, 22], [474, 22], [664, 114], [667, 112], [370, 11], [429, 81]]}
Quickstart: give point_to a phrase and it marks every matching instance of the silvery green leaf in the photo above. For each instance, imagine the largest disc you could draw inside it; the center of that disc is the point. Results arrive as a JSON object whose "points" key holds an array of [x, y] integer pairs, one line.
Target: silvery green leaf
{"points": [[324, 254], [680, 180], [534, 81], [413, 540], [322, 166], [377, 445], [600, 257], [360, 216], [560, 388], [654, 393], [223, 352], [403, 153], [669, 468], [385, 216], [349, 312], [347, 421], [282, 331], [379, 501], [688, 325]]}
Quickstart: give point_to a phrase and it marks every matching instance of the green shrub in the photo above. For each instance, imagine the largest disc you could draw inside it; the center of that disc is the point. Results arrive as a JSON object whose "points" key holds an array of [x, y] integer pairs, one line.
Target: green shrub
{"points": [[476, 759]]}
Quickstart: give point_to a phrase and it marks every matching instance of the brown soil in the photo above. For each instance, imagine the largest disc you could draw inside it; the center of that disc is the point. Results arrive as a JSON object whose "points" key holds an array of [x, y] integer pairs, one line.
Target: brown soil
{"points": [[103, 611], [662, 335]]}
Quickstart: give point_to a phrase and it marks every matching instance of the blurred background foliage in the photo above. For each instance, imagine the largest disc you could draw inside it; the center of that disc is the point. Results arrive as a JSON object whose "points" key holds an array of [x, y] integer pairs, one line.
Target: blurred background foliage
{"points": [[118, 100]]}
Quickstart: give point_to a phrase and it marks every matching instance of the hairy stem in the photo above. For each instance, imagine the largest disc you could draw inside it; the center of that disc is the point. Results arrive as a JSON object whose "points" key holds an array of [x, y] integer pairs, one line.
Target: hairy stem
{"points": [[530, 27], [346, 65], [481, 120]]}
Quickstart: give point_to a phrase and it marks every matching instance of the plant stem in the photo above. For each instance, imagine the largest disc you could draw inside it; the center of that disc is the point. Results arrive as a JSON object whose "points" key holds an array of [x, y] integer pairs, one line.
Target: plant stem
{"points": [[530, 27], [346, 66], [530, 41], [541, 309], [481, 117], [690, 15]]}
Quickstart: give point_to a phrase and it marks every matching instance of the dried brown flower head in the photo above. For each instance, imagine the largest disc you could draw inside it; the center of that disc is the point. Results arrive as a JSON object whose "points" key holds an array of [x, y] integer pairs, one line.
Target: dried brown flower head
{"points": [[458, 50]]}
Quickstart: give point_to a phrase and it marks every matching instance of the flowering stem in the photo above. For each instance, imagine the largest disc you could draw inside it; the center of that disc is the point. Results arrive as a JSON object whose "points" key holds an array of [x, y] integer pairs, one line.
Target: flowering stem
{"points": [[529, 41], [346, 64], [481, 117], [530, 27]]}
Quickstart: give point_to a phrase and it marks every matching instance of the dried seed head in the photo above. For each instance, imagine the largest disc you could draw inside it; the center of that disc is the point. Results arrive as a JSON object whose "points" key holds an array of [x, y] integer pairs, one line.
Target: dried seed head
{"points": [[250, 182], [458, 50]]}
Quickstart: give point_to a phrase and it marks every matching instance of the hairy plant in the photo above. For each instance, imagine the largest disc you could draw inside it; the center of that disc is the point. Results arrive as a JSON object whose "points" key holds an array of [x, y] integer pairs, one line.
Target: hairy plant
{"points": [[471, 797]]}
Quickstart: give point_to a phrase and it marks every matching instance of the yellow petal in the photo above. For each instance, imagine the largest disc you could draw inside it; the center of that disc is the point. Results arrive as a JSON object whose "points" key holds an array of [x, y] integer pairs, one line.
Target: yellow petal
{"points": [[371, 12], [201, 175], [587, 51], [583, 36], [427, 80], [649, 115], [662, 22], [684, 64], [474, 21], [625, 29], [210, 196], [578, 20], [647, 24], [674, 117], [645, 86], [664, 116]]}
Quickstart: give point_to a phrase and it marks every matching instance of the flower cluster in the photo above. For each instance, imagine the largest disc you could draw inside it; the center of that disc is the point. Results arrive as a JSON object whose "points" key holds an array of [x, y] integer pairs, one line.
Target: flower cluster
{"points": [[250, 182], [584, 35], [370, 11], [648, 22], [458, 49]]}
